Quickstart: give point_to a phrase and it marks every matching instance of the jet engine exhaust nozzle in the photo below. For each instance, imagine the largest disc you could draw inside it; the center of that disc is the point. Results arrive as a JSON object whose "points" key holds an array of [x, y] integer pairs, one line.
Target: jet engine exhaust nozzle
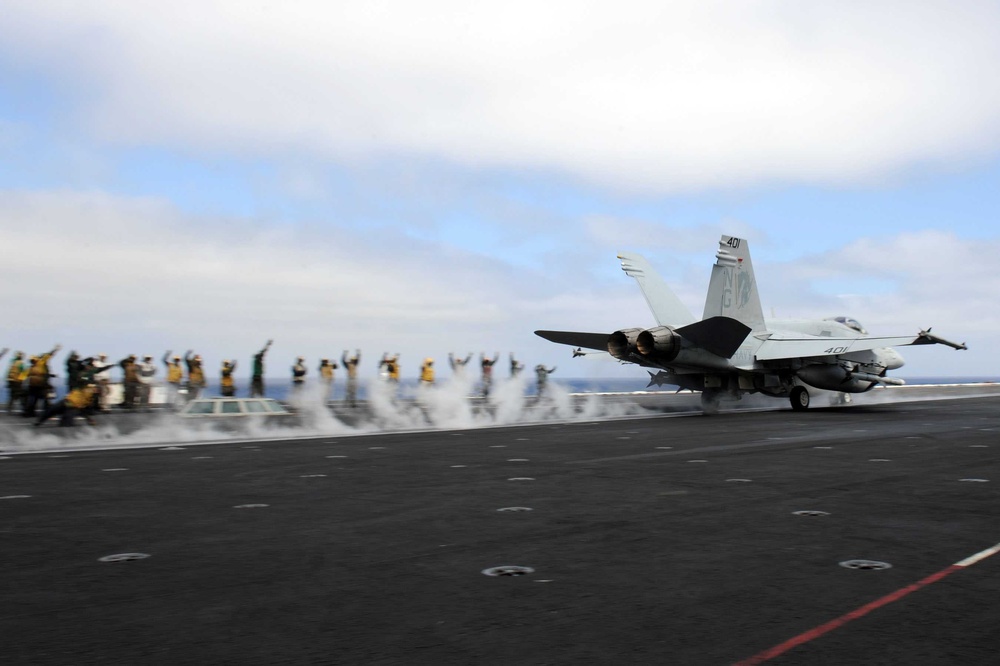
{"points": [[621, 344], [660, 342]]}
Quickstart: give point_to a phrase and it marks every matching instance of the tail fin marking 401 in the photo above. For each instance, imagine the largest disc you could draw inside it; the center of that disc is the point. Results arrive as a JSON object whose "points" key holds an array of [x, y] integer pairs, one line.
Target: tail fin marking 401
{"points": [[732, 289]]}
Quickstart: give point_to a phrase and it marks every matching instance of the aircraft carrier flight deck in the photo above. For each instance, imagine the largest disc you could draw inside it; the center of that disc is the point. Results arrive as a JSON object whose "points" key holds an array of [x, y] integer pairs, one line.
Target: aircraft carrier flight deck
{"points": [[831, 536]]}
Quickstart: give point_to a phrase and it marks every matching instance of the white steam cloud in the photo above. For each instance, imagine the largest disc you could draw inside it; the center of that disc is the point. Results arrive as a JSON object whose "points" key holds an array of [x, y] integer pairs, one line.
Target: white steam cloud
{"points": [[450, 405]]}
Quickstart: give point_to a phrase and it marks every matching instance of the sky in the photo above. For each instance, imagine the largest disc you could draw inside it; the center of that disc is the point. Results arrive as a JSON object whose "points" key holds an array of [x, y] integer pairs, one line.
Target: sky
{"points": [[445, 176]]}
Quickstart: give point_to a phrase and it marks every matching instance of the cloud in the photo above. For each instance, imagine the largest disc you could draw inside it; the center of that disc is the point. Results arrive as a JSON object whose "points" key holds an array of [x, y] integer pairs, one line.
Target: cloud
{"points": [[136, 275], [125, 275], [648, 96], [907, 282]]}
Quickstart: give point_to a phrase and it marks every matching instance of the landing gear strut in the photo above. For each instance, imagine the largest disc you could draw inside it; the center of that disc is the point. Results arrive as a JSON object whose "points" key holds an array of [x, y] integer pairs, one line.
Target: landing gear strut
{"points": [[799, 397], [710, 402]]}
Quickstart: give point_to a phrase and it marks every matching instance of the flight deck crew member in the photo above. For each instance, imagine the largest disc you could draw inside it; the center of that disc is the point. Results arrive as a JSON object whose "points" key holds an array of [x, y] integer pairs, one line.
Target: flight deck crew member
{"points": [[81, 399], [175, 375], [146, 371], [487, 366], [226, 384], [73, 367], [38, 382], [391, 364], [196, 375], [102, 380], [257, 376], [298, 374], [3, 352], [131, 381], [16, 374], [351, 366], [515, 367], [541, 378], [326, 368], [32, 362], [427, 372], [78, 401], [458, 364]]}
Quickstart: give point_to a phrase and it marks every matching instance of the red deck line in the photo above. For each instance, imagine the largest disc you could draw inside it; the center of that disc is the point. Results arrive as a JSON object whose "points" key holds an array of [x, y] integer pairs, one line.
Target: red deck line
{"points": [[861, 611]]}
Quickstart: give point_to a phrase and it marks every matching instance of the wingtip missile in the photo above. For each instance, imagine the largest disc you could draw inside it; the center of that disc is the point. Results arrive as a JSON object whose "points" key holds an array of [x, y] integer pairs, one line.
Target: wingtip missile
{"points": [[929, 339]]}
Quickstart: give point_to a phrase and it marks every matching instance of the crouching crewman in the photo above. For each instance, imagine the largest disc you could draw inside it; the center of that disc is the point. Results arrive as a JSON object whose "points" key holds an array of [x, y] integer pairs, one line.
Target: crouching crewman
{"points": [[80, 401]]}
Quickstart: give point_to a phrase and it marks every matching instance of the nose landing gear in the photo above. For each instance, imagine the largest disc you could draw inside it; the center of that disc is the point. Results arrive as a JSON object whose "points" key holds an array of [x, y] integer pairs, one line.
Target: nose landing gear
{"points": [[799, 397]]}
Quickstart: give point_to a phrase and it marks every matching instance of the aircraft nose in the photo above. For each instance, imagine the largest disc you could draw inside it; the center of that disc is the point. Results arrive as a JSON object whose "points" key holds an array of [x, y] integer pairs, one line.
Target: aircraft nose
{"points": [[893, 359]]}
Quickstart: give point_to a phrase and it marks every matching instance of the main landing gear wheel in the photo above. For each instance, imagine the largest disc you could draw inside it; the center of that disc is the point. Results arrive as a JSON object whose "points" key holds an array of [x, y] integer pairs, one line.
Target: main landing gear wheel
{"points": [[799, 397]]}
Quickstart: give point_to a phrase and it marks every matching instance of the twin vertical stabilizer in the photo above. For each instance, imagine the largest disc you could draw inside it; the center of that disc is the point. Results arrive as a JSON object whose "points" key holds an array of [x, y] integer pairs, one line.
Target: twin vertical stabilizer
{"points": [[732, 290], [667, 309]]}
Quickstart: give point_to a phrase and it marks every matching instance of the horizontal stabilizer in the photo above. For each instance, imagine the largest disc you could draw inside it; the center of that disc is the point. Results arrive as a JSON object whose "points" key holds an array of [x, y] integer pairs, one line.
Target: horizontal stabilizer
{"points": [[598, 341], [720, 335]]}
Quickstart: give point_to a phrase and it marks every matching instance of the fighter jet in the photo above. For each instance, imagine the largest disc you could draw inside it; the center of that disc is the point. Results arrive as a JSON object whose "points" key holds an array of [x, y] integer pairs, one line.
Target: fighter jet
{"points": [[732, 351]]}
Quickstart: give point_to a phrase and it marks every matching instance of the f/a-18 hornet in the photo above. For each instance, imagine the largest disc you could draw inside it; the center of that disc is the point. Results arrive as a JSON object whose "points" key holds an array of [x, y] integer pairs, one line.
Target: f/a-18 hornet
{"points": [[733, 351]]}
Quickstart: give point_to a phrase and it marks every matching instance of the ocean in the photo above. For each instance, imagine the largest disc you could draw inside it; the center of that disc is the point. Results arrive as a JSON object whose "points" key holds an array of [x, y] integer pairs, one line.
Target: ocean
{"points": [[279, 389]]}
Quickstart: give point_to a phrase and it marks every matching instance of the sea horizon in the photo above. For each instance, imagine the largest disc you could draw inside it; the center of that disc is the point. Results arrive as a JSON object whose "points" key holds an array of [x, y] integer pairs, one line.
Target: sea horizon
{"points": [[279, 388]]}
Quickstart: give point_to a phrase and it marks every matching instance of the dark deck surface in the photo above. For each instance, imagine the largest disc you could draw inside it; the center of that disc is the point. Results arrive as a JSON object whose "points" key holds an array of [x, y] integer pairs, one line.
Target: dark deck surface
{"points": [[669, 540]]}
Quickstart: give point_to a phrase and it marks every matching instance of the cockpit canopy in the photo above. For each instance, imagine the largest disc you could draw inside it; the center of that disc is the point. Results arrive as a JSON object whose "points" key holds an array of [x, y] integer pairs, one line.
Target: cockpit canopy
{"points": [[850, 323]]}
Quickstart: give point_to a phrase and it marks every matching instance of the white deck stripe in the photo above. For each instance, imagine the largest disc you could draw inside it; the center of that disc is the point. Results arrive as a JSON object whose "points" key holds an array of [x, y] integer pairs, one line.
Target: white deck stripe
{"points": [[969, 561]]}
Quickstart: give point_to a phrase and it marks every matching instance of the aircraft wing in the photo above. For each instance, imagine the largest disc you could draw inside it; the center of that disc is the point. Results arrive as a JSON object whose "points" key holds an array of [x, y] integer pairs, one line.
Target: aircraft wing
{"points": [[778, 348], [598, 341]]}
